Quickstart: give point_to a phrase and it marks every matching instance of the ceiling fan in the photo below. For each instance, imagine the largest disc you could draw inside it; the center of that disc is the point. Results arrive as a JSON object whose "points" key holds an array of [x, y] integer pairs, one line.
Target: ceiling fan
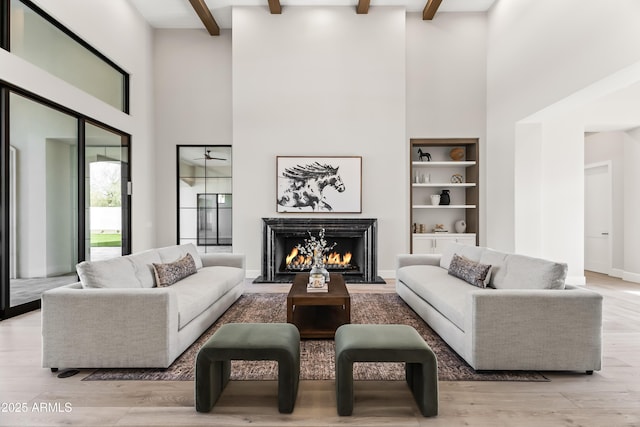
{"points": [[207, 156]]}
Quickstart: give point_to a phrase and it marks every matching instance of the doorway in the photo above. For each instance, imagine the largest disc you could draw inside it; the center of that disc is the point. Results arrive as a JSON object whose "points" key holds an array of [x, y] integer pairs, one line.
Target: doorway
{"points": [[205, 199], [107, 193], [598, 199]]}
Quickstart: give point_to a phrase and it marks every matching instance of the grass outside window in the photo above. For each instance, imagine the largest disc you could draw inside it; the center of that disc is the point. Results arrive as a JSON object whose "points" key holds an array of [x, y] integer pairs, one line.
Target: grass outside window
{"points": [[106, 240]]}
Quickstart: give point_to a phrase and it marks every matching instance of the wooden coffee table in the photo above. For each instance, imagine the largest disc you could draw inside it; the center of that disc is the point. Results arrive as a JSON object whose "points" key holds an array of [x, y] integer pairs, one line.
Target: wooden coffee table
{"points": [[318, 314]]}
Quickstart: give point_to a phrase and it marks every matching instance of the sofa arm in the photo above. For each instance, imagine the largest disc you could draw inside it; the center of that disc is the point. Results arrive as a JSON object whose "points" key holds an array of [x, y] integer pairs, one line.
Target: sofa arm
{"points": [[404, 260], [223, 259], [94, 328], [535, 329]]}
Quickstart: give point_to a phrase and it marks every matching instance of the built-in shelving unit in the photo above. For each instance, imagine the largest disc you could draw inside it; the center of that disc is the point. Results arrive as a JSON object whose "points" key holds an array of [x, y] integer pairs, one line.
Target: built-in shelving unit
{"points": [[432, 176]]}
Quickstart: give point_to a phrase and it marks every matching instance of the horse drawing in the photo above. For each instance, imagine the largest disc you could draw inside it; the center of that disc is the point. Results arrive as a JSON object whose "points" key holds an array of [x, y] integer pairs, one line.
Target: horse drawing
{"points": [[306, 184]]}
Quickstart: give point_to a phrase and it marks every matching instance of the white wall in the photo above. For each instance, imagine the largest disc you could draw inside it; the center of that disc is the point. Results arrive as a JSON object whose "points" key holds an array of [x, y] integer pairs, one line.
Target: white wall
{"points": [[43, 173], [317, 82], [61, 236], [609, 146], [562, 189], [193, 106], [119, 32], [631, 206], [446, 76], [446, 85], [285, 96], [105, 219], [528, 70]]}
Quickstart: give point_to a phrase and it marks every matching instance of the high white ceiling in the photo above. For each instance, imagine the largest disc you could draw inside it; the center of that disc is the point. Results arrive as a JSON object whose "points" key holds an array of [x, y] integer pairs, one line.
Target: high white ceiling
{"points": [[180, 14]]}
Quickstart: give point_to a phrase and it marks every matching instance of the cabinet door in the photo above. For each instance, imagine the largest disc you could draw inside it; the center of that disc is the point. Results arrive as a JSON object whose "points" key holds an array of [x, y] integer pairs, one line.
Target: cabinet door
{"points": [[422, 245], [441, 243], [471, 241]]}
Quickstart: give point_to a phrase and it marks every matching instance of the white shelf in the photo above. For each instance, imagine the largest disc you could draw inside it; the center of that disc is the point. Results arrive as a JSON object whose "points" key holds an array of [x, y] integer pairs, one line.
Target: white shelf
{"points": [[444, 206], [444, 164], [447, 234], [444, 184]]}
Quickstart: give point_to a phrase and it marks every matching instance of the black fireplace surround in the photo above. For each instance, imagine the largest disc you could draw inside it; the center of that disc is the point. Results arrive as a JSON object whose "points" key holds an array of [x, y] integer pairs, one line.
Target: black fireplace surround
{"points": [[355, 235]]}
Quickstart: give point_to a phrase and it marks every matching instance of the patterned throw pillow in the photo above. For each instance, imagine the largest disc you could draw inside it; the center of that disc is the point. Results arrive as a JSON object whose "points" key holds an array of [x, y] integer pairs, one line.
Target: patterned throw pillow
{"points": [[168, 274], [470, 271]]}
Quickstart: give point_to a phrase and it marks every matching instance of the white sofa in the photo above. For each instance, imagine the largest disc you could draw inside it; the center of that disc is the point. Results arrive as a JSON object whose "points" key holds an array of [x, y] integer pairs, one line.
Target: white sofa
{"points": [[117, 318], [527, 319]]}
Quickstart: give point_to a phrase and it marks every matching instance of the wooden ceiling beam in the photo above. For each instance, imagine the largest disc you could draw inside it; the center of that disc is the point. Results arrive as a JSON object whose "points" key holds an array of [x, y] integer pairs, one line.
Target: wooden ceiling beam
{"points": [[363, 7], [275, 7], [430, 9], [205, 16]]}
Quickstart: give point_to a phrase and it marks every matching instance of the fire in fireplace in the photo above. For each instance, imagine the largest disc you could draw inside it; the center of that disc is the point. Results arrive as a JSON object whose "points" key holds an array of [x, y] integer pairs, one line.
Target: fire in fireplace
{"points": [[333, 261], [353, 253]]}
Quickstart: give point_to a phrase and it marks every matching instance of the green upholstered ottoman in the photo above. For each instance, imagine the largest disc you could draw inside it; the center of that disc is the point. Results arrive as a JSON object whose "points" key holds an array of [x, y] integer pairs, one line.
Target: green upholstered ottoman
{"points": [[386, 343], [248, 341]]}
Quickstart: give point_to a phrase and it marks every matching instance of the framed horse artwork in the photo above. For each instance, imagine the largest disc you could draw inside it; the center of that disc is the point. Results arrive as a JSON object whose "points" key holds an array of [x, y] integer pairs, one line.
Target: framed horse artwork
{"points": [[319, 184]]}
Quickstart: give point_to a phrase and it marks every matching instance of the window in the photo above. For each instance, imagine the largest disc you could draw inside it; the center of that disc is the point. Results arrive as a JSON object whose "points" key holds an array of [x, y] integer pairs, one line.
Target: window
{"points": [[43, 207], [53, 161], [39, 39], [47, 154], [205, 199]]}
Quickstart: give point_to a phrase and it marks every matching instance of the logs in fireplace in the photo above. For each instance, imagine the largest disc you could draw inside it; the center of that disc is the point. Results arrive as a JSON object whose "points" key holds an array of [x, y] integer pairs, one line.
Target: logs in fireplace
{"points": [[354, 254]]}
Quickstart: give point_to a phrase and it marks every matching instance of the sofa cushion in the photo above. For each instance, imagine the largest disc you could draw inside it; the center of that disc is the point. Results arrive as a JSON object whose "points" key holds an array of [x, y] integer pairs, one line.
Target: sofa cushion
{"points": [[170, 273], [445, 293], [142, 264], [471, 252], [201, 290], [174, 253], [472, 272], [110, 273], [497, 261], [523, 272]]}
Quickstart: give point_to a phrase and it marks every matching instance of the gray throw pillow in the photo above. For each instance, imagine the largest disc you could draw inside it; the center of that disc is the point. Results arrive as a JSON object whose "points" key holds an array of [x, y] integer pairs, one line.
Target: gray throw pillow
{"points": [[170, 273], [110, 273], [470, 271]]}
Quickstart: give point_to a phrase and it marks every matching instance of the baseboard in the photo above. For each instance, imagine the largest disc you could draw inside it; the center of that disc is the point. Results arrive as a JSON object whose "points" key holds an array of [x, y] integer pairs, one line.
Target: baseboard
{"points": [[616, 272], [387, 274], [252, 274], [576, 280], [631, 277]]}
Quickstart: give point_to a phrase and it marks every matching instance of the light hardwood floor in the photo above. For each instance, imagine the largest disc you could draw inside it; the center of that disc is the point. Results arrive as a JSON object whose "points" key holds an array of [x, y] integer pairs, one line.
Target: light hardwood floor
{"points": [[610, 397]]}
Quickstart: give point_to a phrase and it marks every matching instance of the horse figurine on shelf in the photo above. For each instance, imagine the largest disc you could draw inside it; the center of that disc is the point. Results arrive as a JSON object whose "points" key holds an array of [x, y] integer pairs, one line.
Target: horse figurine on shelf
{"points": [[305, 186], [422, 155]]}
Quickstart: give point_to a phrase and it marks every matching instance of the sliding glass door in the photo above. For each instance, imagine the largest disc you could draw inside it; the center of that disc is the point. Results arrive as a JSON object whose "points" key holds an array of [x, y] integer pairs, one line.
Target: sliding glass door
{"points": [[107, 193], [43, 199], [65, 197]]}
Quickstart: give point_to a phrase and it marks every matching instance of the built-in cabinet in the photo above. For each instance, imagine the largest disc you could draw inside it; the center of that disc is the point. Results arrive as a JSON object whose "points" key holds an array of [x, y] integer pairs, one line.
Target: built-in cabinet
{"points": [[443, 164], [429, 243]]}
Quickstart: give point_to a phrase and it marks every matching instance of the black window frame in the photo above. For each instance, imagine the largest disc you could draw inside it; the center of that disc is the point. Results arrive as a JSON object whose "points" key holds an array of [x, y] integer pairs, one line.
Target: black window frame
{"points": [[5, 42], [178, 208], [6, 89]]}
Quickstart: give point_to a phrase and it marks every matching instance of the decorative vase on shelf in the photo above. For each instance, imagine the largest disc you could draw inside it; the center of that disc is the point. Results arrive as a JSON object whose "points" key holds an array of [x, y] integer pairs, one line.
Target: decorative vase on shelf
{"points": [[457, 154], [444, 197], [435, 199], [461, 226]]}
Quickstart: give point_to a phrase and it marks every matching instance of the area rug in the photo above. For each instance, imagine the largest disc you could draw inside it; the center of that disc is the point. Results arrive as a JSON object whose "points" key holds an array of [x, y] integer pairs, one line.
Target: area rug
{"points": [[317, 357]]}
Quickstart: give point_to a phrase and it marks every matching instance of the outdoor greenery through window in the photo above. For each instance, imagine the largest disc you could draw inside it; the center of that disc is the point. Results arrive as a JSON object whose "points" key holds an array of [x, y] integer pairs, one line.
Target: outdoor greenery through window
{"points": [[106, 160]]}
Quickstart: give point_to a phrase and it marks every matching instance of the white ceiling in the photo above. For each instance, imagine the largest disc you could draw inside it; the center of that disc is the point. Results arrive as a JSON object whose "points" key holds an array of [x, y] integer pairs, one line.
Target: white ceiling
{"points": [[180, 14]]}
